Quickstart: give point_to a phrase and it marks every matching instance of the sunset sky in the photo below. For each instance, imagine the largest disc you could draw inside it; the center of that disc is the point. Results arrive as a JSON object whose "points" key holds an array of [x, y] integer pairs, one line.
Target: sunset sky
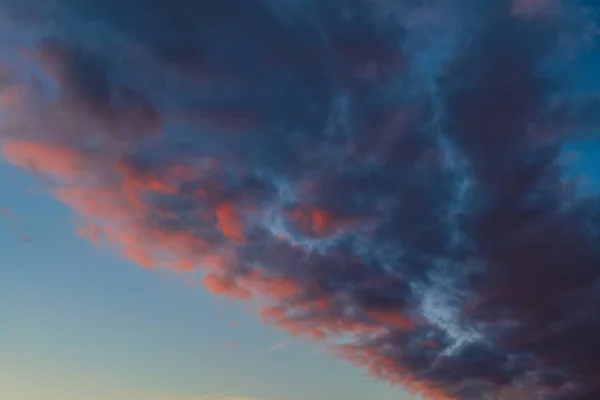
{"points": [[83, 324], [299, 200]]}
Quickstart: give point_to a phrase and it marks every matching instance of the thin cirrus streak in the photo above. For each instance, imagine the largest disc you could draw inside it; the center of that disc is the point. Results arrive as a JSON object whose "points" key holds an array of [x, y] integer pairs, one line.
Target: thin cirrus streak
{"points": [[277, 346], [212, 396], [384, 177]]}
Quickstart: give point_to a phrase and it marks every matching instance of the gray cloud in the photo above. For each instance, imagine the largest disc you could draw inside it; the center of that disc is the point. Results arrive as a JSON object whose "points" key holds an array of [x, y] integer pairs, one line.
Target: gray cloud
{"points": [[401, 197]]}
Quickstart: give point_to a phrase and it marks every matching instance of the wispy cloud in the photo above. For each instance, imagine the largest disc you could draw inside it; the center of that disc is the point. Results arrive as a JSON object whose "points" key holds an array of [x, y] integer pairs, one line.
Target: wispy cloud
{"points": [[210, 396], [277, 346]]}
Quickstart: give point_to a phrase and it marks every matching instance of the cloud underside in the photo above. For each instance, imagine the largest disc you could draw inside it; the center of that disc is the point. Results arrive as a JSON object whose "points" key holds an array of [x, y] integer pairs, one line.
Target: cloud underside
{"points": [[386, 177]]}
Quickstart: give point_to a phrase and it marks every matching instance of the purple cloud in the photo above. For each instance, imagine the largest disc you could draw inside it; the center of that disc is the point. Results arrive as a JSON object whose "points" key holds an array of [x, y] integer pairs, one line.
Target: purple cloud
{"points": [[392, 186]]}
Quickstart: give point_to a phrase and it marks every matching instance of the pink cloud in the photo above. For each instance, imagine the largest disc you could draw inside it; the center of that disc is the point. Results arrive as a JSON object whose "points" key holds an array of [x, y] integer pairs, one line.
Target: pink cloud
{"points": [[54, 160]]}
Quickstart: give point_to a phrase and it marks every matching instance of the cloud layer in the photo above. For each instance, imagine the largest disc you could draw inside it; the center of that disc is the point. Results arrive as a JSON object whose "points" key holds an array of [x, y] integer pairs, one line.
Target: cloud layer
{"points": [[387, 177]]}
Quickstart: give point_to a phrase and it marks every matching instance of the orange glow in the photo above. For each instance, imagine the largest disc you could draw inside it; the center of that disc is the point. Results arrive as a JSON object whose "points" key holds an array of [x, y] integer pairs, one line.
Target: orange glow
{"points": [[230, 223], [391, 318], [57, 161], [314, 220], [274, 287], [225, 285]]}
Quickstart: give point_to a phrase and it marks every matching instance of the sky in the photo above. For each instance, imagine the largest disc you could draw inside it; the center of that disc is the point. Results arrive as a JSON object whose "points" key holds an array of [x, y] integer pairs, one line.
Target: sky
{"points": [[292, 200], [80, 323]]}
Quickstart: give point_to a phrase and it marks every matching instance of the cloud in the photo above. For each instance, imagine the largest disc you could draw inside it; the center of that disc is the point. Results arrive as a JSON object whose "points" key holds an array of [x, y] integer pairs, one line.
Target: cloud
{"points": [[387, 178], [277, 346]]}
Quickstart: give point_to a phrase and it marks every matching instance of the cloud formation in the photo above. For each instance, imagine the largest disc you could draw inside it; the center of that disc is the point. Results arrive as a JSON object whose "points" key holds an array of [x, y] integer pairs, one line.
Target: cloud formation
{"points": [[386, 177]]}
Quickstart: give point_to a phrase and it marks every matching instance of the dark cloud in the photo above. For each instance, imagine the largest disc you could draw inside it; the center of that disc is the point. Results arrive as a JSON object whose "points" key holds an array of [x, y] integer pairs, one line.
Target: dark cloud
{"points": [[388, 176]]}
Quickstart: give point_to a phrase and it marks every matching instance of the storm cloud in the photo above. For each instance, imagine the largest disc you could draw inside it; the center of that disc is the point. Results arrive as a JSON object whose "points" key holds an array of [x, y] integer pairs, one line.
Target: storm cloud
{"points": [[389, 178]]}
